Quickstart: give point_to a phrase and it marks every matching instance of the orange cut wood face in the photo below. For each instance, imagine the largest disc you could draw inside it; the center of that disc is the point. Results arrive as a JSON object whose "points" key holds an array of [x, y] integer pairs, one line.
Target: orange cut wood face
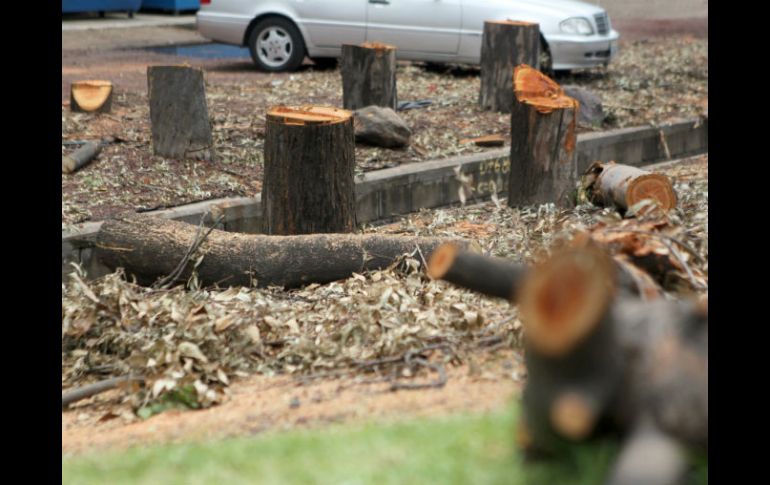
{"points": [[535, 88], [653, 186], [378, 46], [91, 95], [308, 115]]}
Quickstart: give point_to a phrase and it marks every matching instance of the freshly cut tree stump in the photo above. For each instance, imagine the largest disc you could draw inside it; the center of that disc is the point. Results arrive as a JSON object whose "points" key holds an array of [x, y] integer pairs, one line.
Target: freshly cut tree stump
{"points": [[93, 96], [543, 139], [505, 45], [308, 182], [369, 76], [623, 186], [495, 277], [150, 248], [179, 116], [80, 157]]}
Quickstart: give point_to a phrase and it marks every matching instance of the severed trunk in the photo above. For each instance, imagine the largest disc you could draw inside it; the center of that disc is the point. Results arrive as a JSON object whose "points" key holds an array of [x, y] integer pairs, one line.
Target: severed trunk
{"points": [[179, 116], [369, 76], [80, 157], [505, 45], [150, 248], [624, 186], [93, 96], [495, 277], [308, 182], [543, 139]]}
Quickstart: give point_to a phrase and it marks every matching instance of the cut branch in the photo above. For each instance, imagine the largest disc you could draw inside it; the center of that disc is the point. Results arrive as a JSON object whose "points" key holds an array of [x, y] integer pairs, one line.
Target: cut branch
{"points": [[80, 157], [624, 186]]}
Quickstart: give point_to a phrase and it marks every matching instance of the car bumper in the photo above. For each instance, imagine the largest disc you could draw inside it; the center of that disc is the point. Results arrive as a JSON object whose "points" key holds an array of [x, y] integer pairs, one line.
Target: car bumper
{"points": [[568, 52], [227, 29]]}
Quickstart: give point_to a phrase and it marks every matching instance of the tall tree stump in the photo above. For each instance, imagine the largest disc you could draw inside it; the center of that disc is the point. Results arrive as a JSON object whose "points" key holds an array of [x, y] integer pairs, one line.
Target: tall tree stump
{"points": [[369, 75], [93, 96], [505, 45], [179, 116], [543, 139], [309, 162]]}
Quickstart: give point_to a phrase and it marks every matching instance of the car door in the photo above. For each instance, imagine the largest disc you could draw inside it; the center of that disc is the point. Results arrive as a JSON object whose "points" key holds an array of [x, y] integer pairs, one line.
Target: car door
{"points": [[416, 26], [331, 23]]}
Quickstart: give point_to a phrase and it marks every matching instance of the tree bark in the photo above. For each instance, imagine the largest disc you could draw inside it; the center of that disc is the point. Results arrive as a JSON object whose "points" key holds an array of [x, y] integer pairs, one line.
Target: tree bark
{"points": [[179, 116], [624, 186], [505, 45], [150, 248], [308, 175], [80, 157], [369, 76], [494, 277], [543, 139], [93, 96]]}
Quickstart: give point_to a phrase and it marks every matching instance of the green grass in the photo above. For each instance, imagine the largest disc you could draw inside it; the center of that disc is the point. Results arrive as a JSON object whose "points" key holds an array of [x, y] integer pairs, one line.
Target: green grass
{"points": [[458, 450]]}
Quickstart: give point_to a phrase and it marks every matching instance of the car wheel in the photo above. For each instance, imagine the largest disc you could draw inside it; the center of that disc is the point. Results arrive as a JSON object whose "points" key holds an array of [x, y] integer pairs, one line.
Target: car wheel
{"points": [[276, 45]]}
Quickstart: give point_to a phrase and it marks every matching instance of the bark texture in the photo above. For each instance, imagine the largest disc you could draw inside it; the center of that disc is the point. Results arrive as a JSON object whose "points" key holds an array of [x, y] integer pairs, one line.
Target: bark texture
{"points": [[505, 45], [179, 116], [308, 182], [80, 157], [150, 248], [369, 76]]}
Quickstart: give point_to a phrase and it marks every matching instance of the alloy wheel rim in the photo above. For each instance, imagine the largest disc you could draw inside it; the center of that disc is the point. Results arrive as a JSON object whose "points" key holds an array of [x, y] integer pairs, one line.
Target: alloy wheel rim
{"points": [[274, 46]]}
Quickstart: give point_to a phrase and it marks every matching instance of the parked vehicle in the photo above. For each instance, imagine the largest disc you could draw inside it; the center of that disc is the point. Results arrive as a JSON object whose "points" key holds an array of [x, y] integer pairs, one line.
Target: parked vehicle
{"points": [[280, 33]]}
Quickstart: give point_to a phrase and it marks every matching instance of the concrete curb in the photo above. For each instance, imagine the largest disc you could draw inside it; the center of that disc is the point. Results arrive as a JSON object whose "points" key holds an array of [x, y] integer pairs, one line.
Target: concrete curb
{"points": [[388, 193]]}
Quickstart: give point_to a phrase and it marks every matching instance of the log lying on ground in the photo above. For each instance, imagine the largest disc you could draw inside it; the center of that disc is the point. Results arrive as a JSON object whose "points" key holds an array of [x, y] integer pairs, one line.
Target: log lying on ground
{"points": [[179, 116], [495, 277], [150, 248], [505, 45], [369, 76], [308, 182], [623, 186], [92, 96], [80, 157], [543, 140]]}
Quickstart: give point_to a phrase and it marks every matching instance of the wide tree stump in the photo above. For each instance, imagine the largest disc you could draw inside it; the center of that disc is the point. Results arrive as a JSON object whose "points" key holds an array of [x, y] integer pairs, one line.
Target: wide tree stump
{"points": [[495, 277], [369, 76], [179, 116], [150, 248], [543, 139], [308, 182], [93, 96], [623, 186], [505, 45]]}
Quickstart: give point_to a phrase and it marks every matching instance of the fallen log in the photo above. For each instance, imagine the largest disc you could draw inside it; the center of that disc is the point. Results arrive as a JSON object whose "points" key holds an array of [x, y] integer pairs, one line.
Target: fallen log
{"points": [[496, 277], [308, 184], [150, 248], [369, 76], [92, 96], [80, 157], [543, 139], [80, 393], [624, 186], [504, 45]]}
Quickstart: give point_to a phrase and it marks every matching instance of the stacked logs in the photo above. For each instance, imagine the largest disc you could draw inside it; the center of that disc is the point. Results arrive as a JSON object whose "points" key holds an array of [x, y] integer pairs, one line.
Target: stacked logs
{"points": [[599, 358]]}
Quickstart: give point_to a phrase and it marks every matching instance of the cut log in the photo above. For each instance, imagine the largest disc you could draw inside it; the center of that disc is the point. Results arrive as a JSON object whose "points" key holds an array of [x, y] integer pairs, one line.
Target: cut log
{"points": [[543, 138], [494, 277], [179, 116], [505, 45], [150, 248], [93, 96], [485, 141], [623, 186], [308, 182], [369, 76], [80, 157]]}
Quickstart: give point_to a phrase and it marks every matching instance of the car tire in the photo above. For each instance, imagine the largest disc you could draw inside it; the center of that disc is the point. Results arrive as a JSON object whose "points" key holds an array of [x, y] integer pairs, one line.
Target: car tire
{"points": [[276, 45]]}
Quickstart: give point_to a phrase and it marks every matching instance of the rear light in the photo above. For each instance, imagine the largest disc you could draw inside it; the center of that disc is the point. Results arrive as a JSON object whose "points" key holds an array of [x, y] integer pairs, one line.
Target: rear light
{"points": [[205, 2]]}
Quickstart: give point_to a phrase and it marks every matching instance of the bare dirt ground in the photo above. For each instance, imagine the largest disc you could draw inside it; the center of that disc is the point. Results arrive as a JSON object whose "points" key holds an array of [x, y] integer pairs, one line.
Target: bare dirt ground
{"points": [[654, 80]]}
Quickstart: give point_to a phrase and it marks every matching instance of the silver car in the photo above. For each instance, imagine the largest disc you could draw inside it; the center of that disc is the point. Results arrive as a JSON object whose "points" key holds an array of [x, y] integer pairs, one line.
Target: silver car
{"points": [[280, 33]]}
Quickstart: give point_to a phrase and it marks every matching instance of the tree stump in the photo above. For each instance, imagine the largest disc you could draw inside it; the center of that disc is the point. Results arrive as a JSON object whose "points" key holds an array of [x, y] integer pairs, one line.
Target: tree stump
{"points": [[94, 96], [369, 76], [543, 139], [505, 45], [179, 116], [308, 178]]}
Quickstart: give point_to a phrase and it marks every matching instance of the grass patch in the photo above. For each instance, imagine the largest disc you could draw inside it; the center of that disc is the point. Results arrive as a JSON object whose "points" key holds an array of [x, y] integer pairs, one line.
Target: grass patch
{"points": [[456, 450]]}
